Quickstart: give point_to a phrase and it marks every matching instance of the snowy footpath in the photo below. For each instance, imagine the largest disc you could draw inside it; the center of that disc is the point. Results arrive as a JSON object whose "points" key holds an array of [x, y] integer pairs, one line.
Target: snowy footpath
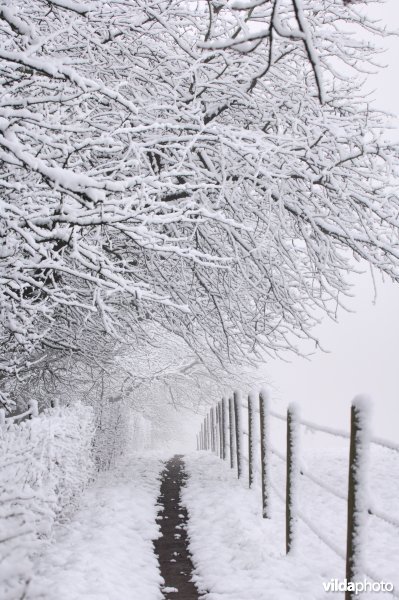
{"points": [[106, 551]]}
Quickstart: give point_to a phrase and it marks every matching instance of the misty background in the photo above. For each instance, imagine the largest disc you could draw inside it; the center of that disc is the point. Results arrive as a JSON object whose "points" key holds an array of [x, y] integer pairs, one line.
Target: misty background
{"points": [[363, 347]]}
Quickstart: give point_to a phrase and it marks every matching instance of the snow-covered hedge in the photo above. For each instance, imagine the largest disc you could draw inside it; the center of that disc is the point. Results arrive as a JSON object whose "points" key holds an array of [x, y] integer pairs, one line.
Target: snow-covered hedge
{"points": [[45, 464]]}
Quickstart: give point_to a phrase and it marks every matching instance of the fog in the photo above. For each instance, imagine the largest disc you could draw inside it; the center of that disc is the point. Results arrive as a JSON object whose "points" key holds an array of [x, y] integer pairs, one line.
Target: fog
{"points": [[364, 346]]}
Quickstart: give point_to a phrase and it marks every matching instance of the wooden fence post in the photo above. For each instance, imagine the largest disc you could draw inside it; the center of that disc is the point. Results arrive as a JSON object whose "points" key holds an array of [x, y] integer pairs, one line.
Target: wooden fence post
{"points": [[292, 472], [215, 411], [251, 441], [215, 430], [231, 431], [208, 433], [264, 451], [238, 427], [219, 408], [223, 406], [212, 430], [217, 441], [357, 508]]}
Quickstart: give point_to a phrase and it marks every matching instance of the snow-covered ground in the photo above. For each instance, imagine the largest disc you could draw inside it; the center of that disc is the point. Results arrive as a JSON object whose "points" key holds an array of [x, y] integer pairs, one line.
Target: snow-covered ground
{"points": [[105, 552], [240, 556]]}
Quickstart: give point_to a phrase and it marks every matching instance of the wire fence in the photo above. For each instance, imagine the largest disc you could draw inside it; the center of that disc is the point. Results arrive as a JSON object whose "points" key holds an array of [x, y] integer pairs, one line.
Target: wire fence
{"points": [[223, 433], [31, 412]]}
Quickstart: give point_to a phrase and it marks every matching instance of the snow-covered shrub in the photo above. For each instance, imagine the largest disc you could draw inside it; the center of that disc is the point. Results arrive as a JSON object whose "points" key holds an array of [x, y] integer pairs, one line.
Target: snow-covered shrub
{"points": [[45, 464], [118, 427]]}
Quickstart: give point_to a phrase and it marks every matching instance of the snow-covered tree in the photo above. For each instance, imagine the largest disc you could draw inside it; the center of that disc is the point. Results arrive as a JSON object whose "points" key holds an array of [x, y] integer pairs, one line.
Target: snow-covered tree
{"points": [[208, 167]]}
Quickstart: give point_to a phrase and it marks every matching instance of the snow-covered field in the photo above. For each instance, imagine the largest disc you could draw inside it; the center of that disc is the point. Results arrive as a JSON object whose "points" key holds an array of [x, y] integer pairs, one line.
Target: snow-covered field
{"points": [[105, 552], [240, 556]]}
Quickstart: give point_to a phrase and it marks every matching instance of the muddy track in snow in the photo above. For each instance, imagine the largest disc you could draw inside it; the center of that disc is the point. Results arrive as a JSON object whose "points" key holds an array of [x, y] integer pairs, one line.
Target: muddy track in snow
{"points": [[172, 546]]}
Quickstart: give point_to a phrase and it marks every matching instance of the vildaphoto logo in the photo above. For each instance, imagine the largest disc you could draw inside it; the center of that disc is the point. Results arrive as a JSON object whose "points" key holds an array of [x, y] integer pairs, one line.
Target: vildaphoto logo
{"points": [[358, 587]]}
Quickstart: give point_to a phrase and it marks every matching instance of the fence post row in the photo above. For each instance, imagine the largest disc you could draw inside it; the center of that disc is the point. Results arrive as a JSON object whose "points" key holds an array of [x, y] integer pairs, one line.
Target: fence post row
{"points": [[31, 413], [222, 427]]}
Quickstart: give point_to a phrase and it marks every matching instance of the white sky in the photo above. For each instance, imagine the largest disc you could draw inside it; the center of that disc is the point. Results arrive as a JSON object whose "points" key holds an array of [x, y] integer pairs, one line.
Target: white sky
{"points": [[364, 347]]}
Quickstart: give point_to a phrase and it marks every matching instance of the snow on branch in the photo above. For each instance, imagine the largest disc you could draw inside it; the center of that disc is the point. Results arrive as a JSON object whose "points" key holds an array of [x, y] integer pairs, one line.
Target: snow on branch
{"points": [[81, 8], [170, 165]]}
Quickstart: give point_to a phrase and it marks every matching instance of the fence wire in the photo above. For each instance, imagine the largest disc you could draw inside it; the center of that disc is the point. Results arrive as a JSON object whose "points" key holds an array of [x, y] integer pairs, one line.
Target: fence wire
{"points": [[306, 473]]}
